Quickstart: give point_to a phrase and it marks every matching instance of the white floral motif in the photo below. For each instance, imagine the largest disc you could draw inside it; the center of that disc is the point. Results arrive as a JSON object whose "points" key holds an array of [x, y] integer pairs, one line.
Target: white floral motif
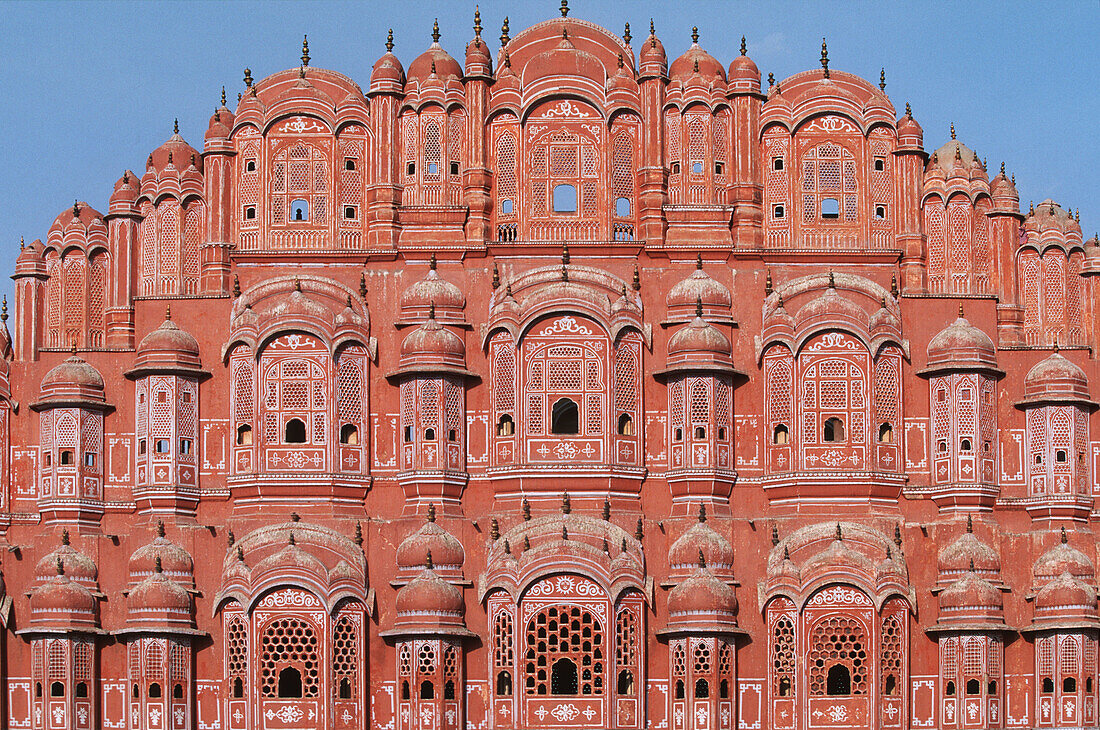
{"points": [[838, 713], [566, 109], [565, 713], [565, 450], [287, 714], [566, 324]]}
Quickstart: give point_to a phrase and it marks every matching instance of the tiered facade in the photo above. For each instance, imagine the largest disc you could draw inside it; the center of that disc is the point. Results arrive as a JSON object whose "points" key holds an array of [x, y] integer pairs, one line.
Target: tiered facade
{"points": [[563, 388]]}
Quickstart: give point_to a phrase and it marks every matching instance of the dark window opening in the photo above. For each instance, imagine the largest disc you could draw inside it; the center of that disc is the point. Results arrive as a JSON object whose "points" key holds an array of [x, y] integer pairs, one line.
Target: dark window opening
{"points": [[942, 447], [777, 163], [250, 213], [154, 690], [349, 212], [244, 435], [505, 426], [880, 212], [1048, 685], [679, 689], [349, 434], [622, 207], [408, 434], [349, 164], [345, 689], [49, 456], [1060, 456], [718, 167], [161, 446], [89, 459], [678, 434], [299, 210], [177, 692], [433, 168], [964, 445], [973, 687], [702, 689], [565, 417], [250, 166], [452, 435], [626, 682], [880, 165], [890, 686], [290, 682], [454, 168], [674, 168], [781, 434], [427, 690], [697, 168], [721, 433], [429, 434], [700, 432], [885, 434], [563, 678], [626, 425], [838, 681], [81, 689], [238, 687], [784, 687], [949, 690], [777, 211], [185, 446], [991, 687], [504, 684], [186, 397], [833, 431], [565, 199], [57, 690], [1088, 684], [66, 457], [294, 432], [724, 689], [405, 690], [449, 690], [410, 169], [37, 689], [1038, 458], [162, 397], [1069, 685]]}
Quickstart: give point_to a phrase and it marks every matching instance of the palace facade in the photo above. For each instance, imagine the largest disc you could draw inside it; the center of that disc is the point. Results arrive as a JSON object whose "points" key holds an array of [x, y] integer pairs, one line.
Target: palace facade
{"points": [[567, 386]]}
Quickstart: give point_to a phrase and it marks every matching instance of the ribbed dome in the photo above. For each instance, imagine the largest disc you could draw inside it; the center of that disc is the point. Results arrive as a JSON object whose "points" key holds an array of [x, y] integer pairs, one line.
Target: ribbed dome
{"points": [[84, 215], [1056, 378], [72, 380], [387, 70], [175, 561], [1049, 216], [699, 337], [174, 151], [60, 598], [1062, 592], [717, 551], [221, 124], [445, 549], [77, 566], [432, 289], [699, 287], [126, 190], [168, 348], [909, 127], [955, 559], [701, 593], [962, 346], [434, 61], [971, 592], [696, 60], [159, 594], [432, 341], [744, 73], [952, 158], [429, 594], [830, 305], [1063, 558]]}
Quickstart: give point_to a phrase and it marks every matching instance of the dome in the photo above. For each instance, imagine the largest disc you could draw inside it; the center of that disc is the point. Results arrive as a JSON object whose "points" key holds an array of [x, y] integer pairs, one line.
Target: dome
{"points": [[432, 289], [176, 152], [1056, 379], [696, 60], [434, 61], [431, 538], [652, 51], [961, 346], [1049, 216], [76, 565], [955, 559], [699, 337], [221, 123], [167, 348], [971, 592], [478, 58], [175, 562], [429, 594], [432, 341], [73, 381], [126, 190], [701, 593], [699, 287], [909, 130], [717, 551], [159, 594], [831, 306], [387, 72], [744, 74], [1063, 558], [952, 158], [63, 602], [1064, 592]]}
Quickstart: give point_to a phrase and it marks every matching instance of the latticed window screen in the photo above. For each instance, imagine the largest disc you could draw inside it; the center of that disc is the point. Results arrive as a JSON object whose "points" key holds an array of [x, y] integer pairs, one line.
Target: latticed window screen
{"points": [[569, 633], [300, 172], [838, 640], [891, 651], [507, 203], [565, 156], [289, 642], [345, 658], [296, 387], [503, 646], [236, 649], [783, 655], [829, 172], [574, 371], [626, 638]]}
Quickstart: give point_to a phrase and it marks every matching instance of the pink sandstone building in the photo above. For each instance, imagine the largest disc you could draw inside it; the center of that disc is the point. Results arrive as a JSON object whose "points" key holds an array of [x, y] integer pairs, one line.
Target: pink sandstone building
{"points": [[568, 385]]}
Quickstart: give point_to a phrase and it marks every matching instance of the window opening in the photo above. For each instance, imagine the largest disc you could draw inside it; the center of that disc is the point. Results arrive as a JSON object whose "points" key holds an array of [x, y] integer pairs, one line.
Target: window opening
{"points": [[290, 682], [185, 446], [244, 436], [1060, 456], [349, 434], [702, 689], [830, 208], [349, 212], [57, 690], [81, 689], [880, 212], [177, 692], [626, 425], [565, 199], [700, 432], [66, 457], [299, 210], [784, 687], [161, 446], [622, 207], [626, 682], [839, 680], [679, 689], [449, 690], [973, 687], [349, 164], [504, 684], [295, 432], [154, 690], [678, 434], [885, 434], [433, 168], [777, 211], [781, 434], [505, 426], [718, 168], [427, 690], [238, 687], [565, 417], [563, 677], [880, 165], [1069, 685], [454, 168], [1048, 685], [250, 213], [89, 459], [405, 690], [964, 445], [777, 163], [949, 690], [429, 434], [724, 689], [250, 166], [410, 169], [833, 431], [697, 167]]}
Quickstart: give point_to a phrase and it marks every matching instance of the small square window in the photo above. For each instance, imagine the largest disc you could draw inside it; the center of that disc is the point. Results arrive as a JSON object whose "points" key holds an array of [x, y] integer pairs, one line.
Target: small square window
{"points": [[880, 212], [349, 212], [410, 169], [349, 164], [718, 167], [697, 167], [89, 459], [433, 168], [141, 446], [250, 213], [880, 164], [162, 397], [778, 212], [185, 446], [674, 168], [454, 168], [777, 163], [250, 166], [186, 397]]}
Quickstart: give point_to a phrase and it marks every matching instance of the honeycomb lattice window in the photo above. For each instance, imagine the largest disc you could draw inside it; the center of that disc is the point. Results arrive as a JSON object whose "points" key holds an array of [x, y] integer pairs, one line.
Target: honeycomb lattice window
{"points": [[289, 642], [838, 640], [345, 657], [570, 633]]}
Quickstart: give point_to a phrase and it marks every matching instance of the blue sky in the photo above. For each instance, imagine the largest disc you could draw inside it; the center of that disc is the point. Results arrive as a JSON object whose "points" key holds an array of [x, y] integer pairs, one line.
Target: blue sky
{"points": [[89, 89]]}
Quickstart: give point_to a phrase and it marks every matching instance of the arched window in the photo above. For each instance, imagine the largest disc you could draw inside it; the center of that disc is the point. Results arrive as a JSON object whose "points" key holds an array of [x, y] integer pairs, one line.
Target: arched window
{"points": [[505, 426], [1048, 686], [154, 690], [177, 692], [57, 690], [679, 689], [405, 690], [565, 652], [702, 689], [830, 208], [626, 682], [504, 683], [299, 210], [885, 434], [82, 689], [839, 681], [565, 417], [626, 425], [427, 690], [949, 689], [781, 434], [1069, 685], [563, 677], [349, 434], [724, 689], [290, 682], [290, 664], [833, 430], [238, 687], [294, 431], [565, 199]]}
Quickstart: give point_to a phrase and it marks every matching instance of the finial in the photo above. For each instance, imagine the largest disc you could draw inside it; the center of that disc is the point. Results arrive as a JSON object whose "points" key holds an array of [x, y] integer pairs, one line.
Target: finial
{"points": [[839, 534], [435, 31], [1064, 540], [961, 315], [636, 282], [167, 312], [526, 507], [639, 533], [953, 133], [702, 559], [428, 565], [702, 512], [431, 309], [76, 206], [564, 272], [362, 286], [169, 157], [494, 529], [779, 301], [626, 34], [157, 566], [566, 507], [526, 543], [768, 288], [786, 553], [349, 301], [60, 566], [744, 48], [894, 285], [606, 547], [160, 528], [889, 553], [698, 306], [699, 261], [564, 33], [175, 128], [431, 511], [301, 72], [1031, 207], [504, 38], [652, 30], [305, 50], [236, 286], [64, 537], [432, 262], [606, 514], [771, 79], [564, 8], [1013, 178], [496, 276], [72, 346], [477, 22], [1077, 215], [21, 244], [508, 290], [620, 59], [882, 79], [358, 539], [507, 60], [695, 66], [564, 533], [1055, 343], [958, 152], [297, 284], [832, 280], [290, 539], [897, 535], [775, 535], [825, 58], [908, 110], [4, 309], [695, 35], [389, 41], [970, 523], [223, 96], [507, 548], [240, 553], [294, 517], [230, 537], [972, 565]]}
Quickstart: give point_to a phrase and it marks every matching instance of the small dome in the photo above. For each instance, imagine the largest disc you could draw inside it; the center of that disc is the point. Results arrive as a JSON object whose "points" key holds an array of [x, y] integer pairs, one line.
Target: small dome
{"points": [[76, 565], [652, 51], [962, 346], [952, 155], [74, 380], [434, 61], [62, 600], [971, 592], [955, 559], [909, 128], [387, 70], [175, 561], [699, 337], [221, 124], [744, 73], [830, 306], [432, 341], [701, 593], [717, 551], [429, 594], [176, 152], [478, 58], [1064, 592], [699, 287], [1063, 558], [696, 60], [159, 594], [168, 348], [622, 79], [1056, 378], [82, 214], [445, 549], [126, 190], [432, 289], [1049, 216]]}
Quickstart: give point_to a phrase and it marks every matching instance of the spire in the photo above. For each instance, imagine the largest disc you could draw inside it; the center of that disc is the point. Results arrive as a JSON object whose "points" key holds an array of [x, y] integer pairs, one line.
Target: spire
{"points": [[771, 79], [652, 30], [882, 79], [504, 37], [564, 532], [494, 529], [606, 514], [894, 285], [64, 537], [702, 559], [167, 312], [526, 543], [702, 512], [76, 206], [839, 534], [477, 22], [240, 553], [60, 566], [564, 8], [908, 110], [428, 565], [636, 282], [699, 261], [768, 288], [832, 280], [358, 539], [389, 41], [972, 565], [1064, 540], [230, 538], [639, 532], [435, 31], [961, 315], [775, 535], [897, 535], [496, 276], [160, 528], [223, 95], [507, 548], [175, 127], [4, 309], [786, 553], [305, 50], [566, 506], [698, 306], [626, 34], [157, 566], [290, 539], [526, 508], [236, 286], [744, 48], [695, 35], [431, 511], [970, 523], [953, 132], [825, 58], [362, 285]]}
